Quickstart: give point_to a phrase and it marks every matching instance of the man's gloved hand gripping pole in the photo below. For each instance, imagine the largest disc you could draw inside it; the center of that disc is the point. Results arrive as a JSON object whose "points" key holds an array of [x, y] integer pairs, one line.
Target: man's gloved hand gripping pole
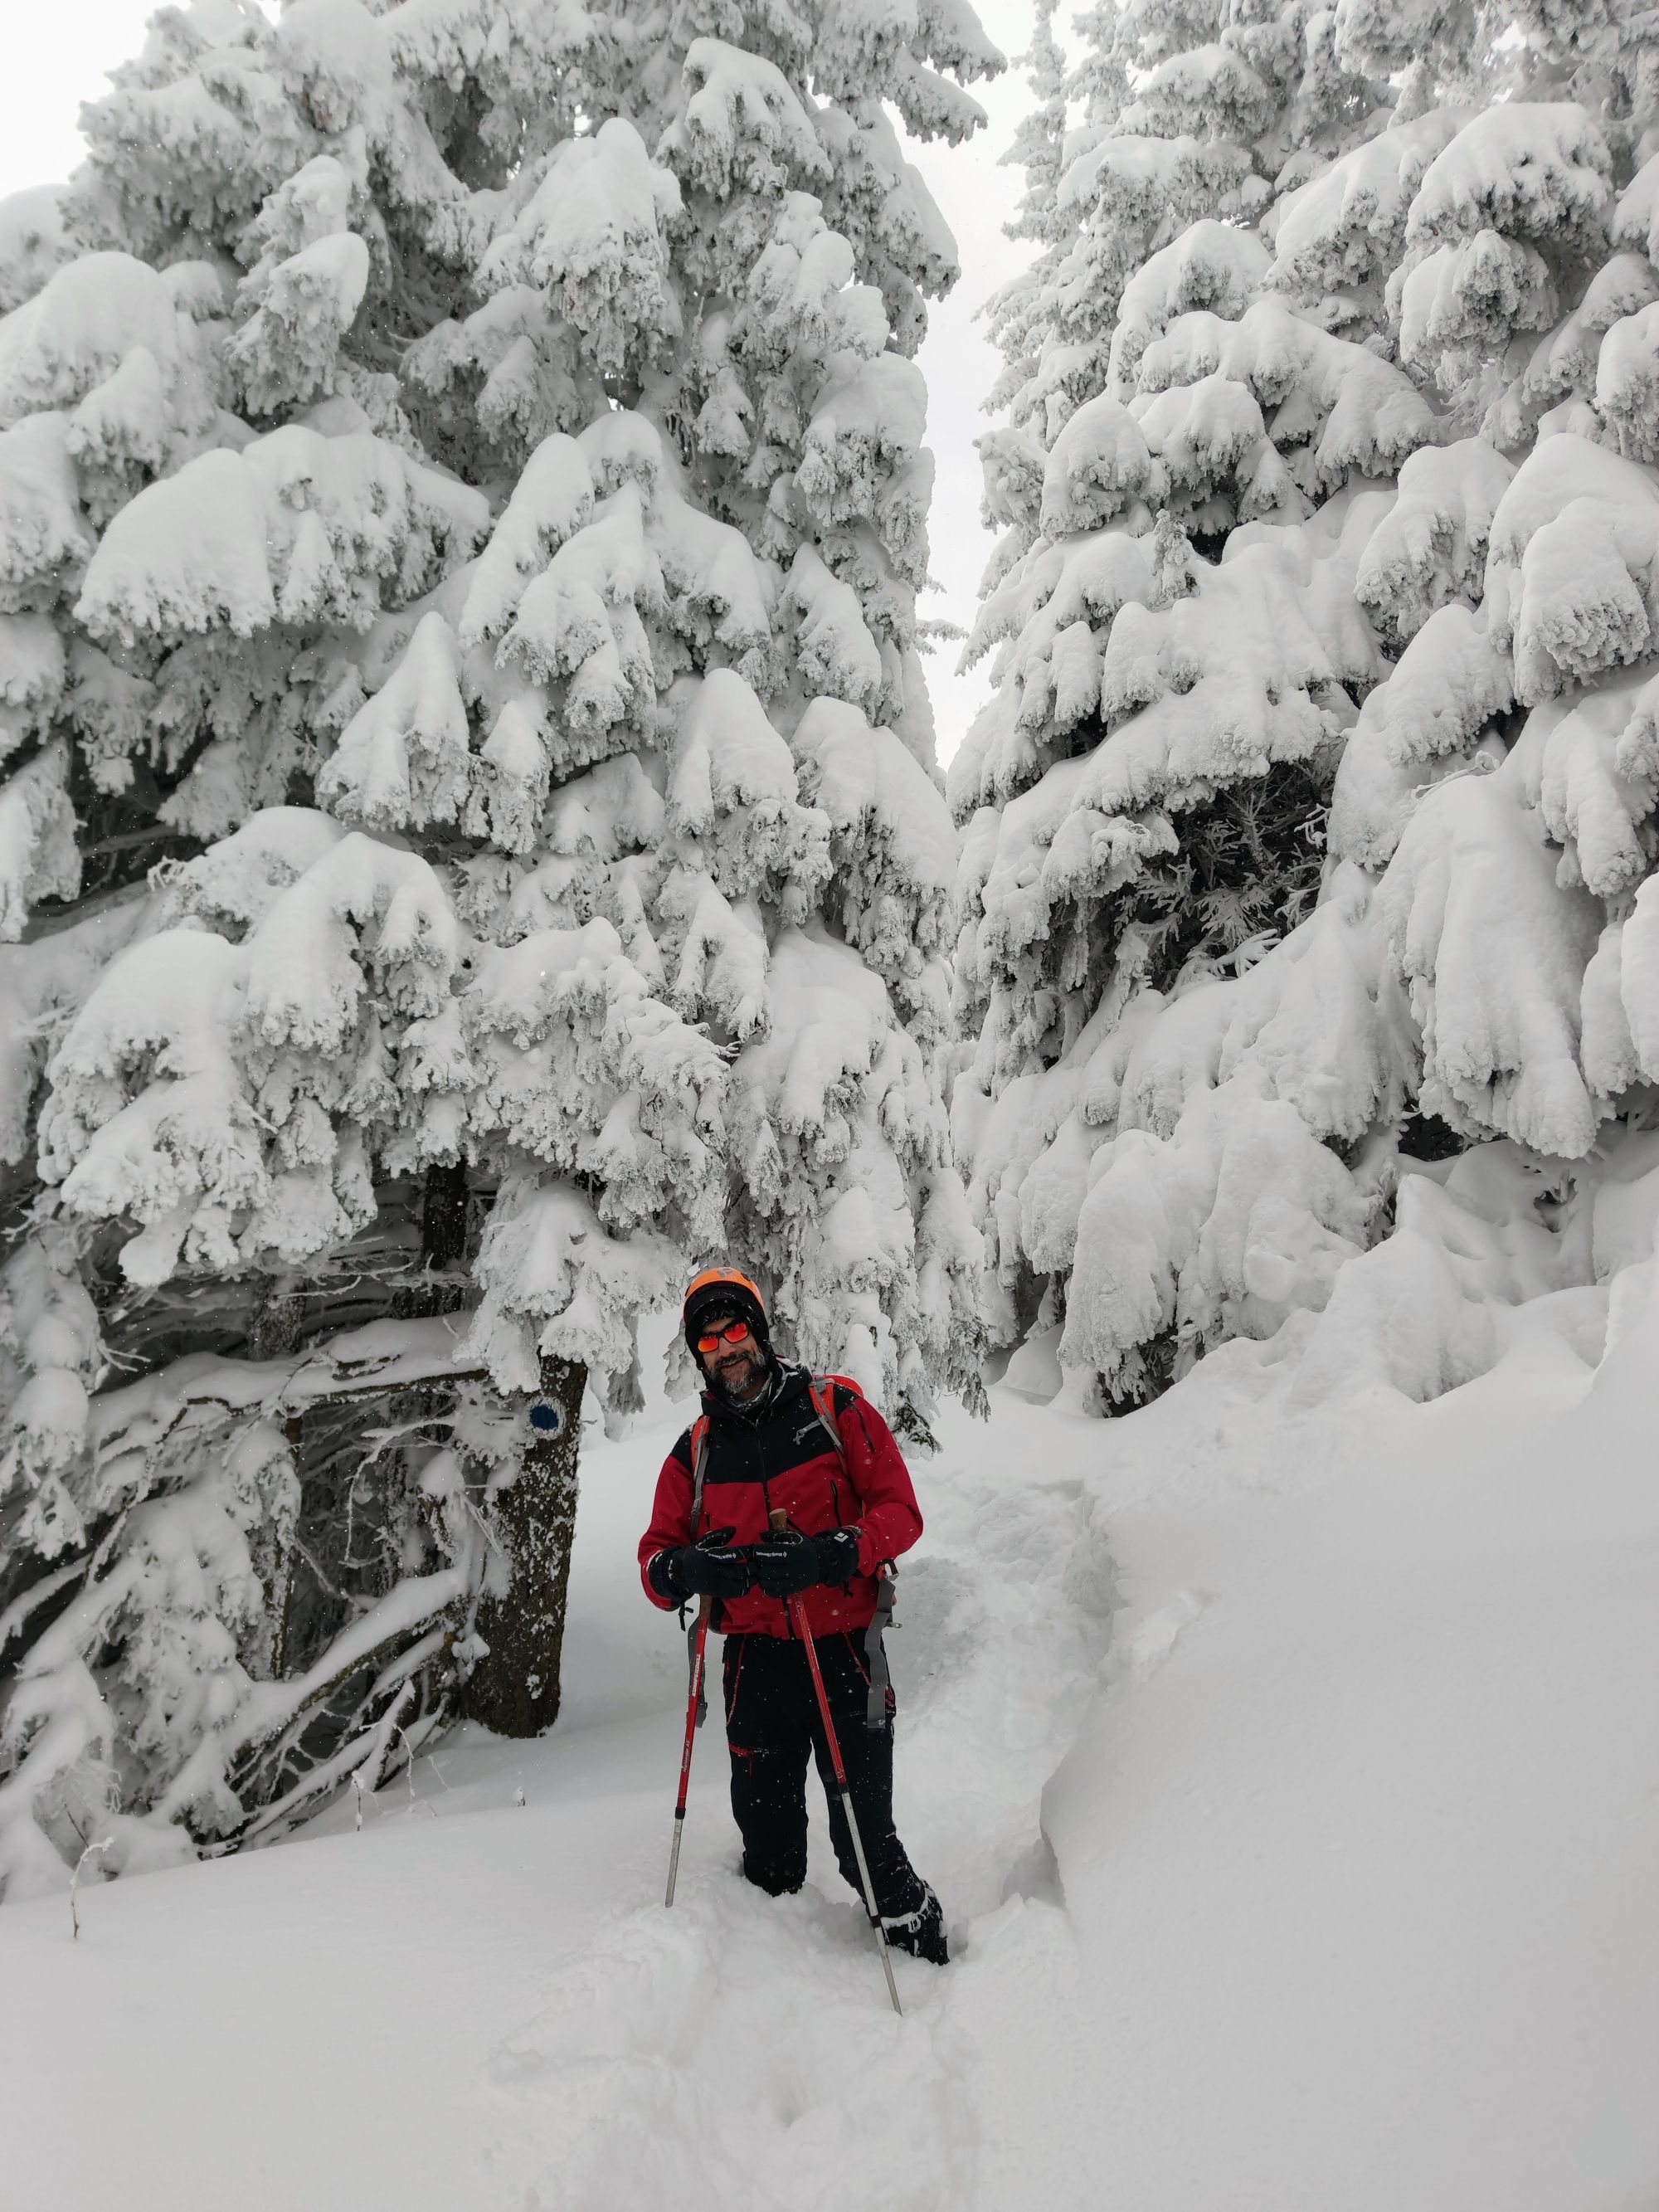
{"points": [[788, 1560], [712, 1567]]}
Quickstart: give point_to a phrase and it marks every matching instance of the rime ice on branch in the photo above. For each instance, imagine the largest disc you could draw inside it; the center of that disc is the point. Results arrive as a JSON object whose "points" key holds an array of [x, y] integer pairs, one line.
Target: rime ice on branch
{"points": [[1326, 479]]}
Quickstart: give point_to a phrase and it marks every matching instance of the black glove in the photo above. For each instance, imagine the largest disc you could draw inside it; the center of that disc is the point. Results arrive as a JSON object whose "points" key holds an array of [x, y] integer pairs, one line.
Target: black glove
{"points": [[788, 1561], [712, 1567]]}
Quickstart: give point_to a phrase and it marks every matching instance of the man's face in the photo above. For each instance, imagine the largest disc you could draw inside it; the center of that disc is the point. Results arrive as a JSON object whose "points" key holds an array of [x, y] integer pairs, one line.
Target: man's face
{"points": [[735, 1363]]}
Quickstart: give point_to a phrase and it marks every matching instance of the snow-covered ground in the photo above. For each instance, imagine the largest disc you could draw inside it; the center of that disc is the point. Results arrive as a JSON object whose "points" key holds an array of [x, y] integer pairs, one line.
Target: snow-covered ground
{"points": [[1292, 1784]]}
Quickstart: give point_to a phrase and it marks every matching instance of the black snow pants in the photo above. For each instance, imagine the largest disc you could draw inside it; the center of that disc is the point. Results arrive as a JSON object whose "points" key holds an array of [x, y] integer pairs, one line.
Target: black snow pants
{"points": [[771, 1721]]}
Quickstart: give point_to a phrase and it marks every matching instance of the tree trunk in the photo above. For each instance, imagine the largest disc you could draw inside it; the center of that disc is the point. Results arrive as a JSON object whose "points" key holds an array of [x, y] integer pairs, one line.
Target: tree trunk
{"points": [[441, 1285], [275, 1327], [265, 1655], [444, 1216], [514, 1688], [277, 1321]]}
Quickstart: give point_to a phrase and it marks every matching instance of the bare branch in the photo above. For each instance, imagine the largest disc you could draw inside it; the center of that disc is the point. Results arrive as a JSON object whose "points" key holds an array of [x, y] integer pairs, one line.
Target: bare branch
{"points": [[75, 1882]]}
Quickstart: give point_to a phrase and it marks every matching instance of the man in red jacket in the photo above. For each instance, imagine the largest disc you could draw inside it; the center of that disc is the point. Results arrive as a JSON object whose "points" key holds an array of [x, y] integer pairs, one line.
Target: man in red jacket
{"points": [[851, 1509]]}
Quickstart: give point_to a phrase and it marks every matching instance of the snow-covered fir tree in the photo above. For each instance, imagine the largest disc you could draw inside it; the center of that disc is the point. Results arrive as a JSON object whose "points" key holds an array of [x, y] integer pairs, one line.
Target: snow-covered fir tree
{"points": [[1373, 334], [471, 845], [1176, 655], [1016, 315]]}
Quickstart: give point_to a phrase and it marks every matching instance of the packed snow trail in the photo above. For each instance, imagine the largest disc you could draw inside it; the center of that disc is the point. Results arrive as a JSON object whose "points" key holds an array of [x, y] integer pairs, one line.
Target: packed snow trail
{"points": [[729, 2052]]}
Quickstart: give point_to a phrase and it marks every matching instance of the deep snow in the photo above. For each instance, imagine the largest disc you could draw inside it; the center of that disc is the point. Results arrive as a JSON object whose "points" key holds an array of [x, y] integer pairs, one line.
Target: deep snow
{"points": [[1293, 1787]]}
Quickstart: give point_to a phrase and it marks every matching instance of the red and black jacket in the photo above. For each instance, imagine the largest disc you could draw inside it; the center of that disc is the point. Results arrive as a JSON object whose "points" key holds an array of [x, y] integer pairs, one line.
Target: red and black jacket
{"points": [[782, 1456]]}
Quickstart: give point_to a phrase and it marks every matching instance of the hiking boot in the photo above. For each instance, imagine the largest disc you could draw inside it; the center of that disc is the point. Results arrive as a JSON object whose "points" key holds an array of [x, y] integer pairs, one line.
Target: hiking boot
{"points": [[921, 1933]]}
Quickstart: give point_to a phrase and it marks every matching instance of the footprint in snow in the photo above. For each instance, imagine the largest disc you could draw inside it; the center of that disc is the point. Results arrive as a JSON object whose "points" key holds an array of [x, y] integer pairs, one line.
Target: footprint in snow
{"points": [[1149, 1643], [725, 2055]]}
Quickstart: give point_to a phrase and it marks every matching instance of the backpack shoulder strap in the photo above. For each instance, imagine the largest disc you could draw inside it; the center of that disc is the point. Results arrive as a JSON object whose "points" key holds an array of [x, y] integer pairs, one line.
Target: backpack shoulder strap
{"points": [[877, 1711], [699, 1467], [700, 1627], [822, 1388]]}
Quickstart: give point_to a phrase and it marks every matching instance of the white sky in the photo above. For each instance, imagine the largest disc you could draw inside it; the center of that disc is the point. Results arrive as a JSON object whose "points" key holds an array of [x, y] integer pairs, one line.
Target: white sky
{"points": [[57, 57], [977, 194]]}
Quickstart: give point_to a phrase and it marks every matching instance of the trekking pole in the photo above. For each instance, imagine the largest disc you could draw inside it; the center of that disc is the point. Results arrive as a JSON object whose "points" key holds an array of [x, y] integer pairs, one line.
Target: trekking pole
{"points": [[780, 1519], [699, 1648]]}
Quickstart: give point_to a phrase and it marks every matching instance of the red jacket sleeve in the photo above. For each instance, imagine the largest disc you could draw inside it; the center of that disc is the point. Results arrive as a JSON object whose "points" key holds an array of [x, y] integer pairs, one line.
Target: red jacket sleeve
{"points": [[888, 1512], [671, 1515]]}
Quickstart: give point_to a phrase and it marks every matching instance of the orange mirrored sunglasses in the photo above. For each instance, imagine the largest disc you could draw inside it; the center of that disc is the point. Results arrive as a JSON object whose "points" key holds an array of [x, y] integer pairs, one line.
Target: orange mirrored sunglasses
{"points": [[733, 1332]]}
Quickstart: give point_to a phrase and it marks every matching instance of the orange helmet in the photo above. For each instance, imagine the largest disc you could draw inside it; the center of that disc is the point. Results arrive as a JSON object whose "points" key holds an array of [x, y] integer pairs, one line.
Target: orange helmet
{"points": [[723, 1290]]}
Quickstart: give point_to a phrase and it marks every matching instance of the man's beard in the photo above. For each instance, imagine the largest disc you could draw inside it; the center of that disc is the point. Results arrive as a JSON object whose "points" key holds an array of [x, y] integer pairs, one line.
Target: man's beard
{"points": [[736, 1378]]}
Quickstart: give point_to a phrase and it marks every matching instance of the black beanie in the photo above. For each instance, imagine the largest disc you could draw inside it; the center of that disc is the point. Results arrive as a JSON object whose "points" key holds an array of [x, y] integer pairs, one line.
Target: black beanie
{"points": [[726, 1297]]}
